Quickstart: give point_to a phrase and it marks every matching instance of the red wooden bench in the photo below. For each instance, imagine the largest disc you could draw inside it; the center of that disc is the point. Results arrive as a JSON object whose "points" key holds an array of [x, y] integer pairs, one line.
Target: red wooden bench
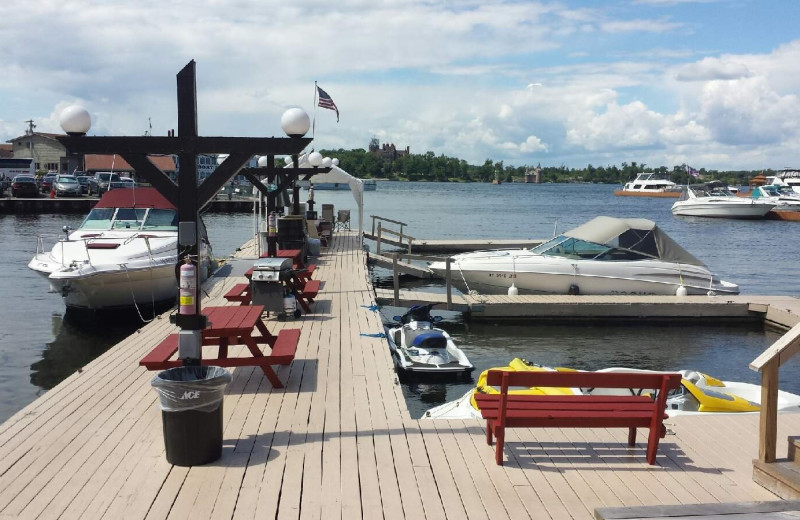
{"points": [[239, 293], [307, 293], [633, 410]]}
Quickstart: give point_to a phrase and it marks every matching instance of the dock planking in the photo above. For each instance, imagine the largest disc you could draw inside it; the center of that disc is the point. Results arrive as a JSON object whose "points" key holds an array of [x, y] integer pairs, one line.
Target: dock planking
{"points": [[338, 441]]}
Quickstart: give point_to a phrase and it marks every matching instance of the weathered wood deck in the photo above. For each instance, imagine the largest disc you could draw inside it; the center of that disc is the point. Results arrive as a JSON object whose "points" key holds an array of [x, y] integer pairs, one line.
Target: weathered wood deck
{"points": [[338, 441]]}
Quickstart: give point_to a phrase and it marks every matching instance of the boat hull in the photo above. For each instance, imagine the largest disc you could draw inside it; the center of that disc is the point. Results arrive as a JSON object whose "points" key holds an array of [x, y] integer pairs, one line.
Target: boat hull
{"points": [[117, 289], [746, 210], [495, 272]]}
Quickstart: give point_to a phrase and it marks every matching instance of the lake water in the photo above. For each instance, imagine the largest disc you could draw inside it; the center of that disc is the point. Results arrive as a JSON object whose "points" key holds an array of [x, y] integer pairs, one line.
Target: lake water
{"points": [[39, 346]]}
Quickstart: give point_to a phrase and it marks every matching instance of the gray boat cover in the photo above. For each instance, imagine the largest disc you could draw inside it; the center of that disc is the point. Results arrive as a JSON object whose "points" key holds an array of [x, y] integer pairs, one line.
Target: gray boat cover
{"points": [[636, 234]]}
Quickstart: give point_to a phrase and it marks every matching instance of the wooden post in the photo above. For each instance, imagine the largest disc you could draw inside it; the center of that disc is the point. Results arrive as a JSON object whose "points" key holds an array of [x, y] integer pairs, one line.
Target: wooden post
{"points": [[410, 240], [448, 284], [395, 277], [373, 224], [768, 418], [378, 241]]}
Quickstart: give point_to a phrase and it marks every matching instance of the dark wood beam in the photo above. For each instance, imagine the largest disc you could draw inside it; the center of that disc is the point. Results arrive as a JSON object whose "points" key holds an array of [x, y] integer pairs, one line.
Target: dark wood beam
{"points": [[184, 144], [149, 172]]}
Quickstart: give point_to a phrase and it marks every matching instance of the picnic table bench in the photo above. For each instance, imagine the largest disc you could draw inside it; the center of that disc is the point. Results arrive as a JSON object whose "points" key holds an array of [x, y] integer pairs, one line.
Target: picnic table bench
{"points": [[233, 326], [301, 284], [634, 409]]}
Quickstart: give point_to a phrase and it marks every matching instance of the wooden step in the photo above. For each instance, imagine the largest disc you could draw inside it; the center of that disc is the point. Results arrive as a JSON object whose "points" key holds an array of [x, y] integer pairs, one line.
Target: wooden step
{"points": [[781, 477]]}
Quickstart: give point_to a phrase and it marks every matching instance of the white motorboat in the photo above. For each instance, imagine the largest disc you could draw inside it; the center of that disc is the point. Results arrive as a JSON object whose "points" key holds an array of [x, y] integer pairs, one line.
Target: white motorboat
{"points": [[715, 200], [782, 196], [787, 177], [419, 348], [123, 255], [650, 185], [699, 393], [606, 255]]}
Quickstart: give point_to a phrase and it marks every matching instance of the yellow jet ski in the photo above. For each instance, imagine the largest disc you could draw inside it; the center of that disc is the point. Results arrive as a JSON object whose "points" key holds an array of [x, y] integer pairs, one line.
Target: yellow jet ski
{"points": [[521, 365]]}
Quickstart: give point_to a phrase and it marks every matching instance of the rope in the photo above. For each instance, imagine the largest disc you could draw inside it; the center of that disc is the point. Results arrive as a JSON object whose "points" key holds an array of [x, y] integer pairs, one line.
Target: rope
{"points": [[470, 292], [133, 297], [376, 335], [373, 308]]}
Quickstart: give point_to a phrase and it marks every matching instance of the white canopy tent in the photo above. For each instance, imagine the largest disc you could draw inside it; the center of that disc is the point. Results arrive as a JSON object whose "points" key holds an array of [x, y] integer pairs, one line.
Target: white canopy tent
{"points": [[337, 175]]}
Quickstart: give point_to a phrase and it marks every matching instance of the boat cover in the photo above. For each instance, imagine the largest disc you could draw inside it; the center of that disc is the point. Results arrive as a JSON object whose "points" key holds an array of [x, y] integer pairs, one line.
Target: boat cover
{"points": [[430, 339], [636, 234], [145, 197]]}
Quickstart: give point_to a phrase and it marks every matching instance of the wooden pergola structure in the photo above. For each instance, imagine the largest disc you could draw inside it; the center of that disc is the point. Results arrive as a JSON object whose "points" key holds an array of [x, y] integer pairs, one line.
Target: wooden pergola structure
{"points": [[186, 194]]}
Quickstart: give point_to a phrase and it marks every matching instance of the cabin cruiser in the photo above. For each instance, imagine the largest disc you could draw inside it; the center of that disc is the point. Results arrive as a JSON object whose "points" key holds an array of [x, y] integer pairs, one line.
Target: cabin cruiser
{"points": [[713, 199], [123, 255], [699, 393], [606, 255], [650, 184], [419, 348], [783, 196]]}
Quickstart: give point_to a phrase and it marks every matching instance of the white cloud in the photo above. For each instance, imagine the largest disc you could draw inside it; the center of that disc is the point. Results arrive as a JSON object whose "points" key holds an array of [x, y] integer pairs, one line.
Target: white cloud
{"points": [[475, 80], [709, 69], [532, 144]]}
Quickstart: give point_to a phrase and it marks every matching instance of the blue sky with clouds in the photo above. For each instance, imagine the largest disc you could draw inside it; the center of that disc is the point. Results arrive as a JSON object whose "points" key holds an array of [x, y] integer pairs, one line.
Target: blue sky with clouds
{"points": [[711, 83]]}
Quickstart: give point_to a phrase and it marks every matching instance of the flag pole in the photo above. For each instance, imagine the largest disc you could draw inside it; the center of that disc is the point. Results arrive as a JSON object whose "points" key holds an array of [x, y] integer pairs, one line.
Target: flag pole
{"points": [[314, 120]]}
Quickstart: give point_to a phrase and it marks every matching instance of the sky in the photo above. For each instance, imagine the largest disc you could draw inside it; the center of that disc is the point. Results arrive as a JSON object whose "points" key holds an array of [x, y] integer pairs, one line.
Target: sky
{"points": [[710, 83]]}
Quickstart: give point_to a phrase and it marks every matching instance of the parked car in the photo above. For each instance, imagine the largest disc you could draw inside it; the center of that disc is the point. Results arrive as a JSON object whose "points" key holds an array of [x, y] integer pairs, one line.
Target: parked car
{"points": [[103, 179], [67, 185], [86, 184], [47, 182], [24, 186]]}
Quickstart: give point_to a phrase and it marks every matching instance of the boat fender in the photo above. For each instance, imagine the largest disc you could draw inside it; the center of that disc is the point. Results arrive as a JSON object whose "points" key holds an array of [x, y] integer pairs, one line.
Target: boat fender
{"points": [[680, 291], [574, 290], [513, 291]]}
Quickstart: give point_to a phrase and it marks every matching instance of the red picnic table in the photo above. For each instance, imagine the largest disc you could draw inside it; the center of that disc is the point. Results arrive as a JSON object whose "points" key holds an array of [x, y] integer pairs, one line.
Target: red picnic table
{"points": [[233, 326]]}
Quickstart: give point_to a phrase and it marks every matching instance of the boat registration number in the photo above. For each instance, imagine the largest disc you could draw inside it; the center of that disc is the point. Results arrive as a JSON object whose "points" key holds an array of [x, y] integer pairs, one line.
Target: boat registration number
{"points": [[502, 275]]}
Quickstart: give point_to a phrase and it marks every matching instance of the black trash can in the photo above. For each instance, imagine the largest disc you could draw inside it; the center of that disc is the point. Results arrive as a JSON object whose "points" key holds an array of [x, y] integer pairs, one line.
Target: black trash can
{"points": [[191, 412]]}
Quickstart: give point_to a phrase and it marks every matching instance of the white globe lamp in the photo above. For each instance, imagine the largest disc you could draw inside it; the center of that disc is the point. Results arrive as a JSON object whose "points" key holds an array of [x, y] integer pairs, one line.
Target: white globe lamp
{"points": [[335, 161], [263, 161], [288, 159], [75, 120], [295, 122], [326, 162], [315, 159]]}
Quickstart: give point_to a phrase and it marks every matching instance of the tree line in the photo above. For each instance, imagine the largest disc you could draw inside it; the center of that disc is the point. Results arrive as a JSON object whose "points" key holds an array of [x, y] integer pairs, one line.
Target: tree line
{"points": [[440, 168]]}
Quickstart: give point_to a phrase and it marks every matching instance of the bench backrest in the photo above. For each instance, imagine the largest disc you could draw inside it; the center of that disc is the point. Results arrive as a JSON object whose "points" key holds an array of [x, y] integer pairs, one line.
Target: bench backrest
{"points": [[636, 380]]}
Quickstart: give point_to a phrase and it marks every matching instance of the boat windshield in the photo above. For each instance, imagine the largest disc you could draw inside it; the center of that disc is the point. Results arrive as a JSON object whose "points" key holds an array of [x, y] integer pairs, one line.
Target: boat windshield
{"points": [[578, 249], [131, 218], [567, 247]]}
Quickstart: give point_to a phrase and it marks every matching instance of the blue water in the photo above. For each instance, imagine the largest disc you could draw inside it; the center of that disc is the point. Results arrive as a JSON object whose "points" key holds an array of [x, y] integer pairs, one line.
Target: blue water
{"points": [[39, 347]]}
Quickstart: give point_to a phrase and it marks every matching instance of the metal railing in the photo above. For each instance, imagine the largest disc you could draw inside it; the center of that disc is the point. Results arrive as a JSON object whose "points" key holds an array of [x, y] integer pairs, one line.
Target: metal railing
{"points": [[768, 364], [396, 274]]}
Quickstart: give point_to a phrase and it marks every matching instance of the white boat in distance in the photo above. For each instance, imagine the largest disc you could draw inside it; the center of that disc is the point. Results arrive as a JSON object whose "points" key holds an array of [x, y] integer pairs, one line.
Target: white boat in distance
{"points": [[650, 185], [123, 255], [606, 255], [713, 199]]}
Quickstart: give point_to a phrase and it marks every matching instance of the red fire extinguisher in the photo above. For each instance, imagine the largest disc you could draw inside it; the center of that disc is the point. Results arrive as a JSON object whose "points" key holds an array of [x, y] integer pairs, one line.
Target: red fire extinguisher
{"points": [[272, 225], [187, 283]]}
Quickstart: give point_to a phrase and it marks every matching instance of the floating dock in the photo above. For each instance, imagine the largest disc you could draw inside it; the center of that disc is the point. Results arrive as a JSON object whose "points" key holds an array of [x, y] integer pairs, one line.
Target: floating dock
{"points": [[338, 442]]}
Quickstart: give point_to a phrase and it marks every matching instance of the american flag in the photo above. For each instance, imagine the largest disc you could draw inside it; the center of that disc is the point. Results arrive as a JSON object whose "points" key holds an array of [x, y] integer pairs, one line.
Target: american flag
{"points": [[325, 101], [691, 171]]}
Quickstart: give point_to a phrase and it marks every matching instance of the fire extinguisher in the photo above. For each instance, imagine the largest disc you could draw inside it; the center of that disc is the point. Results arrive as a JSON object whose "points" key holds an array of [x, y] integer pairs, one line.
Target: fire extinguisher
{"points": [[272, 225], [187, 284]]}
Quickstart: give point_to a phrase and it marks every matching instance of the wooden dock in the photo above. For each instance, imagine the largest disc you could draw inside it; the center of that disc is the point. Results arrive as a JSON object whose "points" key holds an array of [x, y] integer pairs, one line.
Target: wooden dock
{"points": [[338, 441], [780, 311]]}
